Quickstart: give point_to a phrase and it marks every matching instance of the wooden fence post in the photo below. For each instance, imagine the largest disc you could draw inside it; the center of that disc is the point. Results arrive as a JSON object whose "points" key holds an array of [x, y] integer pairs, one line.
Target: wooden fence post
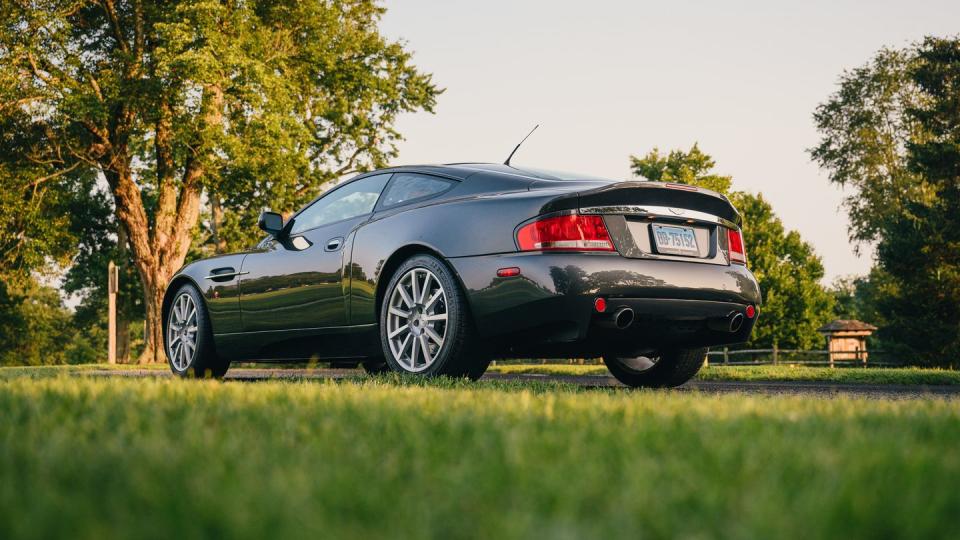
{"points": [[726, 355], [113, 278], [776, 354]]}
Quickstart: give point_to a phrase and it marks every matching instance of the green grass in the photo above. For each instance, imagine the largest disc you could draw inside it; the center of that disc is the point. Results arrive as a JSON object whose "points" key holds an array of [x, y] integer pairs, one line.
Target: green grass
{"points": [[768, 373], [84, 457]]}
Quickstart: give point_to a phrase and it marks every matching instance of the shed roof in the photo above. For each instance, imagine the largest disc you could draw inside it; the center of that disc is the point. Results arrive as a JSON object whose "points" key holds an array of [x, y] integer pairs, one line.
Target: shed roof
{"points": [[846, 325]]}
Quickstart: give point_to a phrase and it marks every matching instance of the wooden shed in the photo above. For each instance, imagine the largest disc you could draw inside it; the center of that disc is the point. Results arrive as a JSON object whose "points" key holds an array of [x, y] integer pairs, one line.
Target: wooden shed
{"points": [[847, 340]]}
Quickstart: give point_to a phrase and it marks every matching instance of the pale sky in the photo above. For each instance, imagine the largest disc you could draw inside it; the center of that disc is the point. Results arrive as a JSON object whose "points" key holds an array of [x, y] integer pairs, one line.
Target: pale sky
{"points": [[607, 79]]}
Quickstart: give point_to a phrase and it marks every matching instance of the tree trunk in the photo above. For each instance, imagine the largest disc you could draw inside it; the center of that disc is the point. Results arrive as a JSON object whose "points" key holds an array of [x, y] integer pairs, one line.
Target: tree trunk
{"points": [[153, 319], [216, 218], [158, 251]]}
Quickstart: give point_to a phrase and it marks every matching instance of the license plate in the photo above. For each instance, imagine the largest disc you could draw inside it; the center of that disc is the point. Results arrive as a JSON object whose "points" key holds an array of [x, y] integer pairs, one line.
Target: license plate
{"points": [[675, 240]]}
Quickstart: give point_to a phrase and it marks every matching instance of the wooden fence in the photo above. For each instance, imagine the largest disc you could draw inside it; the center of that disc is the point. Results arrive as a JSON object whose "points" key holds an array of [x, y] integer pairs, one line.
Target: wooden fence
{"points": [[775, 356]]}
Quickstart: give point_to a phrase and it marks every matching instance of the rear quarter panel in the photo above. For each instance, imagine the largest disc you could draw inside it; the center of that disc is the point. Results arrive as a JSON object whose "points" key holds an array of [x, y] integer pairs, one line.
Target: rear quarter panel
{"points": [[457, 227]]}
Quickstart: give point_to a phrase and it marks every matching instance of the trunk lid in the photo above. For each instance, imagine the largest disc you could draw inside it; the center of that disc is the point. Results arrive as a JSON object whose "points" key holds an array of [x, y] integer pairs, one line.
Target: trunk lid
{"points": [[663, 221]]}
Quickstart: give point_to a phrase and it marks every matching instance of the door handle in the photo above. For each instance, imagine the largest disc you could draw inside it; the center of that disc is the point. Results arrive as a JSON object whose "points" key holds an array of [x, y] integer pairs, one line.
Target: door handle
{"points": [[334, 244], [224, 274]]}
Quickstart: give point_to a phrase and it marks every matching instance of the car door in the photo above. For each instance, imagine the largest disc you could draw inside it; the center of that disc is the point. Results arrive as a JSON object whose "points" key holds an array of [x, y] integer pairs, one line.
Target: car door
{"points": [[298, 283]]}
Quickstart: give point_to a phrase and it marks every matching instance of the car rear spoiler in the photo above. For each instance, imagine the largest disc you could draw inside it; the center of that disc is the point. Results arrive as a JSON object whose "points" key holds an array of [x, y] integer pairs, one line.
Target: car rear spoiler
{"points": [[629, 197]]}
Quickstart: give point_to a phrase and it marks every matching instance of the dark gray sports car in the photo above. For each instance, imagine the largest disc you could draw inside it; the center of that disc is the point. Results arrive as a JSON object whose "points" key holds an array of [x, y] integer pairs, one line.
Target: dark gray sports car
{"points": [[436, 270]]}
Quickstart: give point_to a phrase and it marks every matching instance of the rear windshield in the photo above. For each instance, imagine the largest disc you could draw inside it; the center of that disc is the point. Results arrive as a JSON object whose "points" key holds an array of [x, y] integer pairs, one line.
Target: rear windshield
{"points": [[559, 175]]}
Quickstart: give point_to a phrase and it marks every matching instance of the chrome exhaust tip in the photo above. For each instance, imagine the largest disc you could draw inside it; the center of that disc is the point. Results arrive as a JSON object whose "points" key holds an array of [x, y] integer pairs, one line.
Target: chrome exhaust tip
{"points": [[736, 322], [732, 323], [623, 318]]}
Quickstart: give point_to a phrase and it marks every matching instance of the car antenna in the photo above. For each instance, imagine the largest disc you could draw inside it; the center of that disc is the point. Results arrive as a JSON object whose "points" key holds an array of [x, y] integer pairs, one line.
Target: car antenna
{"points": [[507, 162]]}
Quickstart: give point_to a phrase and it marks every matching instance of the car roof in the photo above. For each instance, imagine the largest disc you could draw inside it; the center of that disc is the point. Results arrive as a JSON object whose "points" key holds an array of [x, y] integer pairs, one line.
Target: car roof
{"points": [[526, 174]]}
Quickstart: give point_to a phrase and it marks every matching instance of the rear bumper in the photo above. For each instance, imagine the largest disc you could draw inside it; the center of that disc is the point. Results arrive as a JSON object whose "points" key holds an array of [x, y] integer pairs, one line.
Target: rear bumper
{"points": [[548, 309]]}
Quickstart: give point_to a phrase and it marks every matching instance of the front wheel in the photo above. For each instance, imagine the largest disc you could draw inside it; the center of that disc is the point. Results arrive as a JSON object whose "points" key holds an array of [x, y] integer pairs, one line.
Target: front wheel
{"points": [[425, 326], [189, 337], [665, 369]]}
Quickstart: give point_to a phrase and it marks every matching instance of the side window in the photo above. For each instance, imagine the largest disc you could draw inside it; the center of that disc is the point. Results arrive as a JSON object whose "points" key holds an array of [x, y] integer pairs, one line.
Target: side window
{"points": [[352, 200], [407, 187]]}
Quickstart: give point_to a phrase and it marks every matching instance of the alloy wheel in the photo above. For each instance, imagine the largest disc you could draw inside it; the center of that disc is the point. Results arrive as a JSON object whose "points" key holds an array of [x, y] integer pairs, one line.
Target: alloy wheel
{"points": [[417, 319], [182, 332], [638, 364]]}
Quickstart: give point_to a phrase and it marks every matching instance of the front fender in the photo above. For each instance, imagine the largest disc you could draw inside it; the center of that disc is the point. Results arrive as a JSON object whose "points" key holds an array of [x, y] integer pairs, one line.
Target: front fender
{"points": [[222, 298]]}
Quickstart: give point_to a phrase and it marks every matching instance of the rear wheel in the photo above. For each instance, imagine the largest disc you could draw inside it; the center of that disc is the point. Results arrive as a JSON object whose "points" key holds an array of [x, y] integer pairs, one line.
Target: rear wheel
{"points": [[425, 326], [189, 337], [665, 369]]}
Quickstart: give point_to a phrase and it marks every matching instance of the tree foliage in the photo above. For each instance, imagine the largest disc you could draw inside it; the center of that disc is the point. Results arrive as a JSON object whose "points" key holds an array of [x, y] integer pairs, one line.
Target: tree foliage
{"points": [[36, 329], [252, 103], [907, 196], [788, 270], [795, 304], [690, 167], [865, 133]]}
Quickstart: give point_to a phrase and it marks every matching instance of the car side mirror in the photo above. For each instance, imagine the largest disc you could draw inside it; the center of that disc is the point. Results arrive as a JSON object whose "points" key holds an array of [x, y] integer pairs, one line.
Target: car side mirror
{"points": [[271, 223]]}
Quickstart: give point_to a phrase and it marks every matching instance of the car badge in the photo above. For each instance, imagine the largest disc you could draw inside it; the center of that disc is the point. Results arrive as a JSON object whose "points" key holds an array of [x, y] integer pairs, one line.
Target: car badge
{"points": [[677, 211]]}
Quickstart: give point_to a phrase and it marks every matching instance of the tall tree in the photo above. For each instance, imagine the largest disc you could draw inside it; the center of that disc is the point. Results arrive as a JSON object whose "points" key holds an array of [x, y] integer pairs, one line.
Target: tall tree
{"points": [[788, 270], [865, 132], [907, 176], [246, 101]]}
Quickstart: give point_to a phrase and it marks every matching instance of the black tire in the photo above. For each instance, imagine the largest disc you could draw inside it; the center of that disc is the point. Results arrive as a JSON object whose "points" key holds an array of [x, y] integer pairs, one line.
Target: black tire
{"points": [[672, 368], [460, 354], [204, 363]]}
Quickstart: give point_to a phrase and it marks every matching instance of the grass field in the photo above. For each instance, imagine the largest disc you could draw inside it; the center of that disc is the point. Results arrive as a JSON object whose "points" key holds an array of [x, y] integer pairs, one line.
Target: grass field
{"points": [[386, 457], [904, 376], [768, 373]]}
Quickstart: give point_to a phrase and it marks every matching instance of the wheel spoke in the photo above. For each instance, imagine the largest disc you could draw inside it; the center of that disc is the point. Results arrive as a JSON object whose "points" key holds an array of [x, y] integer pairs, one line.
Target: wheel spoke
{"points": [[400, 329], [413, 353], [413, 286], [433, 298], [426, 287], [403, 295], [403, 346], [427, 331], [399, 312], [435, 317], [425, 347]]}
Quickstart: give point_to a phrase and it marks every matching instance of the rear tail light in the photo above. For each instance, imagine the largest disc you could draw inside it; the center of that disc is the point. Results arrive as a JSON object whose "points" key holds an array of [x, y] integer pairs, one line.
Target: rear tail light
{"points": [[738, 254], [565, 233]]}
